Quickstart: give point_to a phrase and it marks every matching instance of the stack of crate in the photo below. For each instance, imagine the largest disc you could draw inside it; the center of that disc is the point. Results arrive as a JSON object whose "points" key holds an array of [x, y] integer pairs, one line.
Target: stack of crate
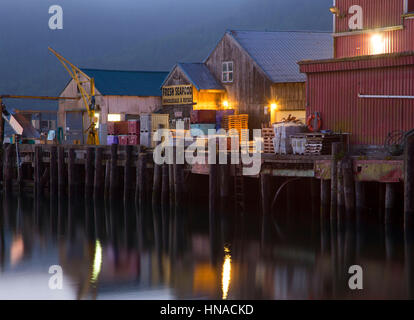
{"points": [[320, 143], [202, 121], [149, 125], [237, 122], [133, 132], [117, 132], [268, 134]]}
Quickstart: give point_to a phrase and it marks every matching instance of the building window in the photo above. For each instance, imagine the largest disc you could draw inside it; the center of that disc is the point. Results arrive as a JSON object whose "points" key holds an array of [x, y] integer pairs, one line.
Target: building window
{"points": [[410, 6], [227, 75]]}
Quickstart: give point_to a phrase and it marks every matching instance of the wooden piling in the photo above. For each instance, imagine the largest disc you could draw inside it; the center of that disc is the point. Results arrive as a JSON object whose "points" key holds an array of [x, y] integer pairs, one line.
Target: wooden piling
{"points": [[213, 187], [72, 181], [390, 200], [8, 169], [89, 172], [113, 191], [409, 182], [224, 178], [61, 171], [359, 195], [349, 184], [128, 174], [107, 179], [38, 170], [99, 177], [171, 184], [179, 185], [141, 179], [340, 193], [325, 193], [165, 185], [54, 174], [264, 191], [156, 186], [336, 146], [1, 122]]}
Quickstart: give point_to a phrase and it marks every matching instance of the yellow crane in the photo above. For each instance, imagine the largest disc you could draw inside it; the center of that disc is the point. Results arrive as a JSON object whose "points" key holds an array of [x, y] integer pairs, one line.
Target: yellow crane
{"points": [[88, 98]]}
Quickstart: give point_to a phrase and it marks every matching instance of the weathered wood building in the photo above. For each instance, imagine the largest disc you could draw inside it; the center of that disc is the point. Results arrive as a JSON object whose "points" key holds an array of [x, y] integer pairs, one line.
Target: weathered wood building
{"points": [[251, 71], [120, 95]]}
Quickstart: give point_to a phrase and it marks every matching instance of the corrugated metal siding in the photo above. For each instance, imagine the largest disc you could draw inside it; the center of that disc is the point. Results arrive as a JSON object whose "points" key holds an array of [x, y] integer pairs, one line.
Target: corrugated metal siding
{"points": [[335, 95], [360, 44], [376, 13]]}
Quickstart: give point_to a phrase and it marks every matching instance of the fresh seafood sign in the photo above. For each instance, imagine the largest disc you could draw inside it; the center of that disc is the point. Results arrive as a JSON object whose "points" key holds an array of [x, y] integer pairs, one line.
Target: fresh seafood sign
{"points": [[173, 95]]}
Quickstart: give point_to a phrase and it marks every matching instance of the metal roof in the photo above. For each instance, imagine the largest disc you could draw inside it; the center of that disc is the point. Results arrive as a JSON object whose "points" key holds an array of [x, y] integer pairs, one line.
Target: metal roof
{"points": [[200, 76], [277, 53], [127, 83]]}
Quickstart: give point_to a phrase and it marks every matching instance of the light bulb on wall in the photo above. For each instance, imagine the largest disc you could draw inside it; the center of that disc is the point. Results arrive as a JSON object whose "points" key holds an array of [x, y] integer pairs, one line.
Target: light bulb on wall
{"points": [[377, 44]]}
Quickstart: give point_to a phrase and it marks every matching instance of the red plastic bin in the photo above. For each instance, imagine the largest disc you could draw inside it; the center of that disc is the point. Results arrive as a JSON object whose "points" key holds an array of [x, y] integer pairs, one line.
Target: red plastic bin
{"points": [[133, 140], [133, 127], [203, 116], [123, 140]]}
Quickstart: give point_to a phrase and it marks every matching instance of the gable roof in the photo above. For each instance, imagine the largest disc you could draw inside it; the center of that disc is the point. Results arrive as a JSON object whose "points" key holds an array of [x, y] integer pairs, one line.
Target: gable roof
{"points": [[127, 83], [199, 75], [278, 53]]}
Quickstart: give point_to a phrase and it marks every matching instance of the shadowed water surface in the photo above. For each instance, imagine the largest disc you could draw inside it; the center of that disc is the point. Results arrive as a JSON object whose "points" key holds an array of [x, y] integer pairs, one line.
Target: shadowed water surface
{"points": [[117, 252]]}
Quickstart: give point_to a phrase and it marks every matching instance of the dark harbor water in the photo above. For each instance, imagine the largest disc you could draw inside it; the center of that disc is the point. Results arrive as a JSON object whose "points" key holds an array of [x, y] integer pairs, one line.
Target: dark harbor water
{"points": [[117, 252]]}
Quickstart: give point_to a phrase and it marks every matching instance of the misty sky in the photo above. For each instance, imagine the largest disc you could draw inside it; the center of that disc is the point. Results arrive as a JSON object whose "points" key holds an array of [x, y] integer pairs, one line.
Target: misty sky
{"points": [[130, 35]]}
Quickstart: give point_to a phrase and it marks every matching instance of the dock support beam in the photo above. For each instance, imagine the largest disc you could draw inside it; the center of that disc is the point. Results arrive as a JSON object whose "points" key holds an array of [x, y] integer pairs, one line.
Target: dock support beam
{"points": [[325, 192], [53, 172], [99, 178], [89, 172], [128, 181], [141, 179], [8, 170], [73, 185], [213, 187], [390, 200], [38, 170], [409, 182], [349, 184], [264, 191], [334, 178], [61, 172], [113, 189]]}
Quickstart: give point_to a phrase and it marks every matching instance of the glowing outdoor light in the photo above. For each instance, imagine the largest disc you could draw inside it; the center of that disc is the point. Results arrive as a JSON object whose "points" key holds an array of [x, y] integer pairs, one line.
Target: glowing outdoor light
{"points": [[273, 106], [377, 44], [114, 117], [226, 275], [225, 104]]}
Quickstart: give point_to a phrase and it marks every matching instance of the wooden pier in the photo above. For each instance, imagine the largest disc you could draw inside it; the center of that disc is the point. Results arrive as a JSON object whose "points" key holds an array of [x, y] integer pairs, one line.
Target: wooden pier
{"points": [[128, 173]]}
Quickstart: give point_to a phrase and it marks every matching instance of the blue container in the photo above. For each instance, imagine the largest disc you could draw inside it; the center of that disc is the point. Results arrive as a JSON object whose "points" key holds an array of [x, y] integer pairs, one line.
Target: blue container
{"points": [[198, 129], [112, 140]]}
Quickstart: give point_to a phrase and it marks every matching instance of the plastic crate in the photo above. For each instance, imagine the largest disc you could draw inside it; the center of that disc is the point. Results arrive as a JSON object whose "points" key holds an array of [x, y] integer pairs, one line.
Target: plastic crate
{"points": [[117, 128], [123, 140], [204, 127], [133, 140], [157, 119], [203, 116], [111, 139], [145, 139]]}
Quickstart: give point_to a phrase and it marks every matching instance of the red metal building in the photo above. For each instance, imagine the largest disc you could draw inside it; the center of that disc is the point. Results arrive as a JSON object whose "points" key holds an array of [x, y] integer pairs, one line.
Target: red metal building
{"points": [[368, 88]]}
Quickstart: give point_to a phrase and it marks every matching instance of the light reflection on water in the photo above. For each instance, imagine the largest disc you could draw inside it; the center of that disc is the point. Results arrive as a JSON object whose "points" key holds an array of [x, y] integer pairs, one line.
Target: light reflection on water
{"points": [[117, 252]]}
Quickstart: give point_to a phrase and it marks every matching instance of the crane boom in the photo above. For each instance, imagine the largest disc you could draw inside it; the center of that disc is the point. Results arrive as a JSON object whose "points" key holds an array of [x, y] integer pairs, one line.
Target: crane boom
{"points": [[88, 98]]}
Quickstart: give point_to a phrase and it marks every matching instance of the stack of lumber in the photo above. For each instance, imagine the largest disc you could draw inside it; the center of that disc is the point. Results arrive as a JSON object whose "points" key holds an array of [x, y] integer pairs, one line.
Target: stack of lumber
{"points": [[268, 134], [320, 143]]}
